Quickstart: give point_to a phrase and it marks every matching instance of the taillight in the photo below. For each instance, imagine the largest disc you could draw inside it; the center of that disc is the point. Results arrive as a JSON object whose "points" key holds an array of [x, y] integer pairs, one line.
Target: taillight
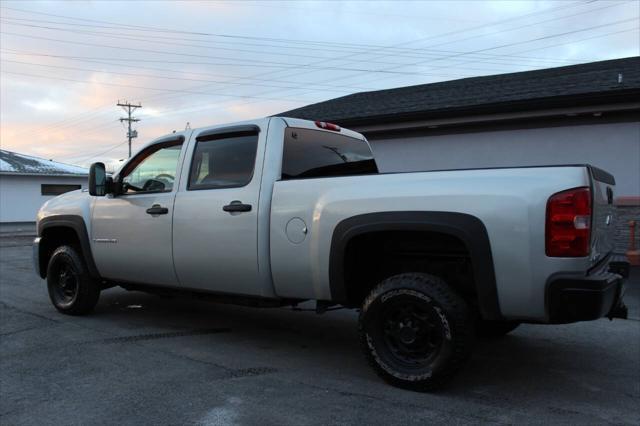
{"points": [[328, 126], [568, 227]]}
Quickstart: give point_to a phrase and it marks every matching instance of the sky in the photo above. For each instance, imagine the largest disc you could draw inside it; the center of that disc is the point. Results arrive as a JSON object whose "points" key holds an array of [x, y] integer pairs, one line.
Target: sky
{"points": [[66, 64]]}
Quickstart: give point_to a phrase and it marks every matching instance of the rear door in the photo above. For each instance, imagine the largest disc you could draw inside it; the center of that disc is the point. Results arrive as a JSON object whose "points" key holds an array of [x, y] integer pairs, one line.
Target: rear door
{"points": [[602, 227], [215, 222]]}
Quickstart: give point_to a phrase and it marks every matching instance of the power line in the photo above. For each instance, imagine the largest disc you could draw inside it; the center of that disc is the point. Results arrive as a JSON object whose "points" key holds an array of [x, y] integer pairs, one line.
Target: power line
{"points": [[156, 29], [289, 66], [504, 45], [383, 48], [519, 27], [144, 87], [598, 36], [326, 87], [112, 124], [218, 106], [274, 39], [182, 71], [349, 57], [105, 61], [539, 48], [402, 52], [231, 49], [92, 156], [161, 52], [542, 38], [62, 123], [253, 63], [501, 46]]}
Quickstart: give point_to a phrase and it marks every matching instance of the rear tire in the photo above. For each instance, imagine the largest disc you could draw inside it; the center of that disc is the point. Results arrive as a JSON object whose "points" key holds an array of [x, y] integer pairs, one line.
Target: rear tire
{"points": [[495, 329], [415, 331], [71, 290]]}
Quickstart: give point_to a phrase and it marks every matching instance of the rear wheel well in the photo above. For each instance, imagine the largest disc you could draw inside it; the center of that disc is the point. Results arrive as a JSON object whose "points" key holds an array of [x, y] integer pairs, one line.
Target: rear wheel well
{"points": [[52, 238], [371, 257]]}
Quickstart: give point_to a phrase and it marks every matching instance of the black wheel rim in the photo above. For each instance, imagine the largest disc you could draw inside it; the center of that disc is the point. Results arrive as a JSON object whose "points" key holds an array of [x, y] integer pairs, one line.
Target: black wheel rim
{"points": [[65, 288], [411, 332]]}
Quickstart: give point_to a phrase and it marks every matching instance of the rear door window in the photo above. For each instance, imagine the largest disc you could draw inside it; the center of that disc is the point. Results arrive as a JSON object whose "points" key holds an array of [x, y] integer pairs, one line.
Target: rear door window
{"points": [[223, 161]]}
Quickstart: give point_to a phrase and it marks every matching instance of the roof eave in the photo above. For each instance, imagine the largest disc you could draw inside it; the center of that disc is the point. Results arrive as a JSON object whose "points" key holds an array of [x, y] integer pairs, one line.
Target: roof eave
{"points": [[588, 99], [4, 173]]}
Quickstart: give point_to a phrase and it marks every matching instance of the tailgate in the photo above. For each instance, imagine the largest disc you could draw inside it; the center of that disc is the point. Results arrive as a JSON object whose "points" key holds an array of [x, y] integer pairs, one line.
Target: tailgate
{"points": [[602, 226]]}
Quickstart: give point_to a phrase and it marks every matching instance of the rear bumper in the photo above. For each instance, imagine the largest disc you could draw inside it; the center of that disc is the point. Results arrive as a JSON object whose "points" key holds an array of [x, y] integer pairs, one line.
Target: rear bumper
{"points": [[573, 297]]}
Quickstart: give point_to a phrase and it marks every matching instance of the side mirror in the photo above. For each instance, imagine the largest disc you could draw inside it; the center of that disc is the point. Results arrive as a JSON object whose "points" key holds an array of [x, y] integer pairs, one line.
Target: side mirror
{"points": [[98, 181]]}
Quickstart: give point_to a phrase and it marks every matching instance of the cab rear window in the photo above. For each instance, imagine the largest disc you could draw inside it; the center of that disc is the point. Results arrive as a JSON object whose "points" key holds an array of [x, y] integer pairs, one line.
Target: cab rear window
{"points": [[313, 153]]}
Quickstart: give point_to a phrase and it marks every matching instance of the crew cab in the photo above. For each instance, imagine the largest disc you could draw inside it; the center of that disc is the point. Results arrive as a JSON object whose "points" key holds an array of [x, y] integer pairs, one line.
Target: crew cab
{"points": [[277, 211]]}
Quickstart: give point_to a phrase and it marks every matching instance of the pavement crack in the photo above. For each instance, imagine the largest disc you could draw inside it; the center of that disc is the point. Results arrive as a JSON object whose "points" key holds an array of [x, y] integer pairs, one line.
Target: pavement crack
{"points": [[156, 336], [249, 372], [10, 333], [229, 372], [24, 311]]}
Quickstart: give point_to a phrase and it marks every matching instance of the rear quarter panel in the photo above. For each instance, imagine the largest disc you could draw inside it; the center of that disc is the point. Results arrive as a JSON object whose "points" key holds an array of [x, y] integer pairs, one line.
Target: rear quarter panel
{"points": [[510, 202]]}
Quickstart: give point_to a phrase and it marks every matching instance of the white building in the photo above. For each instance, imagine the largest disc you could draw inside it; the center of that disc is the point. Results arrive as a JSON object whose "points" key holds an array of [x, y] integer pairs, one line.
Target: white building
{"points": [[27, 182]]}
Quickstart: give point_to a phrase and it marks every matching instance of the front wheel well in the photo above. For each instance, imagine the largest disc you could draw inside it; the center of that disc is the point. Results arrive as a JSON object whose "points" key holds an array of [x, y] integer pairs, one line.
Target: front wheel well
{"points": [[51, 239], [372, 257]]}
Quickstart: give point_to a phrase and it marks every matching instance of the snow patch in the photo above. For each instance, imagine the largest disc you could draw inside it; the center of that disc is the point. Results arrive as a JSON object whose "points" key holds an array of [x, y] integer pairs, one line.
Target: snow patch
{"points": [[12, 162]]}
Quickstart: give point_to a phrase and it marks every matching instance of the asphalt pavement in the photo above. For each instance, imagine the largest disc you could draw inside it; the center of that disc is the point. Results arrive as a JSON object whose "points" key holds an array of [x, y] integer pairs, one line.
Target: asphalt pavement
{"points": [[142, 359]]}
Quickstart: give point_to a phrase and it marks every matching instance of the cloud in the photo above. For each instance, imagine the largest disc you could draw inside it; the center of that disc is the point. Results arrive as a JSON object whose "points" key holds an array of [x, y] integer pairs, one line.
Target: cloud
{"points": [[43, 105]]}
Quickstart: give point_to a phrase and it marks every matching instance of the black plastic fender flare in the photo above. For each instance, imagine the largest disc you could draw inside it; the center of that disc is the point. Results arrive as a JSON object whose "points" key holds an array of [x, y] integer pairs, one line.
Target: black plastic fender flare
{"points": [[76, 223], [469, 229]]}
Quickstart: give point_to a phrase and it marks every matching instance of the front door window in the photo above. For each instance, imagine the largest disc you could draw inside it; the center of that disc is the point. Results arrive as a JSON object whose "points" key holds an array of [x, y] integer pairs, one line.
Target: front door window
{"points": [[153, 170]]}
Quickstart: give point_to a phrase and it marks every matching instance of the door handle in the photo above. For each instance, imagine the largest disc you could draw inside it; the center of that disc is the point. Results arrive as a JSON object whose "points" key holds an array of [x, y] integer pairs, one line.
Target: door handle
{"points": [[237, 206], [157, 209]]}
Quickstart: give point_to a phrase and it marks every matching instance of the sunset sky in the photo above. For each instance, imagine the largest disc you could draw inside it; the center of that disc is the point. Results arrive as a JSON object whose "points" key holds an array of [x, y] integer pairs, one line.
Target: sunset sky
{"points": [[66, 64]]}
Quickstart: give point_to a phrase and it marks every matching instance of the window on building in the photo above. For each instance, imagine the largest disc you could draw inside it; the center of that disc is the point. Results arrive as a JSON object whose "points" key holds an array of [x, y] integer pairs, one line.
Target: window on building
{"points": [[57, 189], [313, 153], [224, 162]]}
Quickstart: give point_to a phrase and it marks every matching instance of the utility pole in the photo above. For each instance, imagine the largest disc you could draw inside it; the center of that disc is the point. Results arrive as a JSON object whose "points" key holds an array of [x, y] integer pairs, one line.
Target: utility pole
{"points": [[129, 108]]}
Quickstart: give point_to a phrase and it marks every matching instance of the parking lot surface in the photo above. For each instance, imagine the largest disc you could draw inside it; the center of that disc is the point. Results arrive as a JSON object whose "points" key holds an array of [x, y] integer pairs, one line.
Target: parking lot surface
{"points": [[148, 360]]}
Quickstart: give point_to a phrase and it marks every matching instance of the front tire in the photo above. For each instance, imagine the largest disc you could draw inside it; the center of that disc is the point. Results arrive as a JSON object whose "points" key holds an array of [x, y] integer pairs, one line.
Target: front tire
{"points": [[71, 290], [416, 332]]}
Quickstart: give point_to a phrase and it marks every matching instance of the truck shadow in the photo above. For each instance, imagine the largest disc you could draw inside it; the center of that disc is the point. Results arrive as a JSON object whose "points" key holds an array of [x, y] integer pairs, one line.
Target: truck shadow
{"points": [[534, 360]]}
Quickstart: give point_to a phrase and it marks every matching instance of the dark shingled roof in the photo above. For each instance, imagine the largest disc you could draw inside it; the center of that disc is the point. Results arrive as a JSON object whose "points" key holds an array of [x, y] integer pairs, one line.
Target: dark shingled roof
{"points": [[13, 163], [596, 82]]}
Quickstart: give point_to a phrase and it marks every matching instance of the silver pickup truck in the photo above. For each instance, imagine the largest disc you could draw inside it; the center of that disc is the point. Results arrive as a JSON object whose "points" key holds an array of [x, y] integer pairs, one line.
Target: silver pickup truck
{"points": [[277, 211]]}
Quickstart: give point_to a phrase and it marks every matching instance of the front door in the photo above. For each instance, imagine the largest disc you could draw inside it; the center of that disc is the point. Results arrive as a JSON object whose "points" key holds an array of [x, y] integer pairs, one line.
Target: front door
{"points": [[215, 223], [131, 232]]}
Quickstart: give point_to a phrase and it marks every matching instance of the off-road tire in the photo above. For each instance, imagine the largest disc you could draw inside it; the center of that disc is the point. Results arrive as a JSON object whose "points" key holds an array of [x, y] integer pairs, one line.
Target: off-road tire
{"points": [[71, 290], [448, 321], [495, 329]]}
